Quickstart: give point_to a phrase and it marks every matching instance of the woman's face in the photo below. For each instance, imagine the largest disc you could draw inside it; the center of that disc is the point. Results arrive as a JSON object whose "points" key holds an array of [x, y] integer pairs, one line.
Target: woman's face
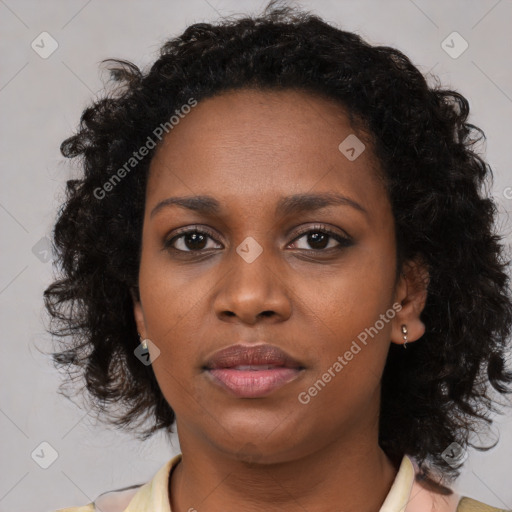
{"points": [[263, 270]]}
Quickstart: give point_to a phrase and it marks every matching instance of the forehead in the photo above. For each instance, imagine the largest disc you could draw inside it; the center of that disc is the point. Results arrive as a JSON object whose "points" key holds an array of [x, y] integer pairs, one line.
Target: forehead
{"points": [[259, 145]]}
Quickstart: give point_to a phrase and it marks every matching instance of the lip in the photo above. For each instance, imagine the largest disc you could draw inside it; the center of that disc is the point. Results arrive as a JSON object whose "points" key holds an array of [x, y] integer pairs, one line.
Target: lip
{"points": [[261, 354], [252, 371]]}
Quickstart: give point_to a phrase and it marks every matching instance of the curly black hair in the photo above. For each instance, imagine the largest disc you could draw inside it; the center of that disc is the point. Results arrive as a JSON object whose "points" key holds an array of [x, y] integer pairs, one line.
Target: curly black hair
{"points": [[437, 391]]}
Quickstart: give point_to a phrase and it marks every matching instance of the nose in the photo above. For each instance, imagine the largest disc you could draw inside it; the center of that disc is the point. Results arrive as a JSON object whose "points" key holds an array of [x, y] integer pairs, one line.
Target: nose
{"points": [[253, 291]]}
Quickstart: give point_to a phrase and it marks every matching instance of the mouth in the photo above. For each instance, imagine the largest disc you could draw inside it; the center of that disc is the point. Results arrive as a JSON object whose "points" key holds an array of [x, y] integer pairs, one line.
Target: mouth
{"points": [[252, 371]]}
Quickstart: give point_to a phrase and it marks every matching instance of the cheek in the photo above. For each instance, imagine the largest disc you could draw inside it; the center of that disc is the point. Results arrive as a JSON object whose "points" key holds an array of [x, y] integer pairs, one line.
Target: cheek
{"points": [[170, 292], [175, 299], [352, 296], [346, 308], [170, 301]]}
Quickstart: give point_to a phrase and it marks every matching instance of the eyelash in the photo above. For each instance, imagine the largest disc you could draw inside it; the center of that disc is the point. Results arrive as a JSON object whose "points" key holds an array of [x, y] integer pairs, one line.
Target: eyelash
{"points": [[344, 241]]}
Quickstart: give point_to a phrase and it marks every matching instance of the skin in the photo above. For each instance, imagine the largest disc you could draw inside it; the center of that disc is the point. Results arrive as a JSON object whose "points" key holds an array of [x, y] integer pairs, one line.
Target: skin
{"points": [[248, 149]]}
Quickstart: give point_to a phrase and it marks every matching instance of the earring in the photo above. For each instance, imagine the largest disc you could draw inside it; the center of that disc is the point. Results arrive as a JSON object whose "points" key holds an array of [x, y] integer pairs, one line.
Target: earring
{"points": [[144, 342], [404, 334]]}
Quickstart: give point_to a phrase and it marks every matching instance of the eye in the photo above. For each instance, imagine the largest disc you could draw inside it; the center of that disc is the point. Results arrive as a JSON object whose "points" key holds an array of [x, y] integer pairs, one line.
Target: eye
{"points": [[190, 240], [321, 238]]}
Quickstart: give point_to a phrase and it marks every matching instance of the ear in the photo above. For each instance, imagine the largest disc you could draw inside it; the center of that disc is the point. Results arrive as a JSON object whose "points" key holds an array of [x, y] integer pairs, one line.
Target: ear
{"points": [[411, 293], [138, 312]]}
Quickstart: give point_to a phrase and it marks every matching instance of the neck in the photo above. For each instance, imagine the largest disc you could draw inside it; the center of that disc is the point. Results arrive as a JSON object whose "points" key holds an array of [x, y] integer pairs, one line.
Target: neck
{"points": [[355, 474]]}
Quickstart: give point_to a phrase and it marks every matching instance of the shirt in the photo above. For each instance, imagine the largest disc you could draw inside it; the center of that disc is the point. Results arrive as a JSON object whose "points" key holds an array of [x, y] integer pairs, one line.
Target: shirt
{"points": [[406, 495]]}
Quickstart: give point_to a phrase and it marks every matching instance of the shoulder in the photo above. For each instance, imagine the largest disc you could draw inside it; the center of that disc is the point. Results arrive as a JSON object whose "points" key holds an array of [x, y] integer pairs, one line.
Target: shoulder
{"points": [[470, 505], [85, 508], [134, 498], [113, 501], [424, 496]]}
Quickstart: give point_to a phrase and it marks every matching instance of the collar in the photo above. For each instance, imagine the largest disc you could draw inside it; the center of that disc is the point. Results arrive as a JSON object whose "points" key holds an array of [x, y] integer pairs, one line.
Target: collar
{"points": [[406, 493], [153, 496]]}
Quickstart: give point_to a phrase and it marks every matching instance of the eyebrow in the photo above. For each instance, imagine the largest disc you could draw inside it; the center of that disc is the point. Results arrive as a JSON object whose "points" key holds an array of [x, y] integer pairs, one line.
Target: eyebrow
{"points": [[296, 203]]}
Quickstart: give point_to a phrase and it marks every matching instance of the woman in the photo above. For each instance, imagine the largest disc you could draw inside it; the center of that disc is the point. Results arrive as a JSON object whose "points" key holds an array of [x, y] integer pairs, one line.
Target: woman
{"points": [[280, 243]]}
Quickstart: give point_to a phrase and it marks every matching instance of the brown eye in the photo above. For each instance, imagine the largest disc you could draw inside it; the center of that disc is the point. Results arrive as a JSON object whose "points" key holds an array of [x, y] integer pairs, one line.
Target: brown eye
{"points": [[321, 239], [191, 240]]}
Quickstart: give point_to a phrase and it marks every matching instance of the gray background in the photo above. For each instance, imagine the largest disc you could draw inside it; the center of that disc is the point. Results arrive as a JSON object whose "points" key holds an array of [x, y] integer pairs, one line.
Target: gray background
{"points": [[41, 101]]}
